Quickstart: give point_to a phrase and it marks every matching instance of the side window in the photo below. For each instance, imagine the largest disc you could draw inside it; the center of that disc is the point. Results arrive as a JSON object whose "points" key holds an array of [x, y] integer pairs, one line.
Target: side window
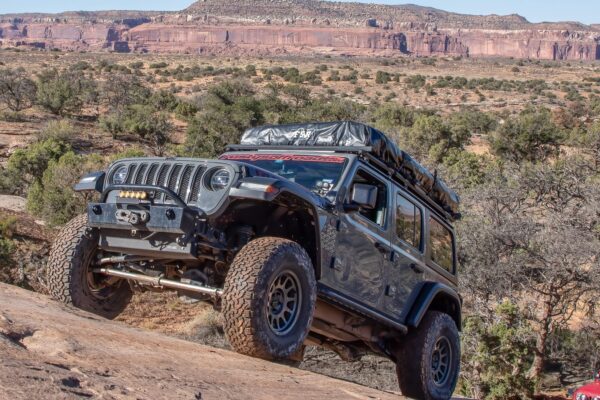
{"points": [[408, 222], [441, 244], [377, 213]]}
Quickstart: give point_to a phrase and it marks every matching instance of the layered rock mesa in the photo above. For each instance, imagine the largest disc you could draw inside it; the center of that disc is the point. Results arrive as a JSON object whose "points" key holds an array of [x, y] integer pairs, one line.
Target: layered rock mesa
{"points": [[292, 26]]}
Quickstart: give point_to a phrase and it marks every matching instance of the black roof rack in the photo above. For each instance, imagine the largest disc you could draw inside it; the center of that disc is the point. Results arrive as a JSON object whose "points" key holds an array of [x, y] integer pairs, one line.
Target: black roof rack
{"points": [[373, 146], [335, 149]]}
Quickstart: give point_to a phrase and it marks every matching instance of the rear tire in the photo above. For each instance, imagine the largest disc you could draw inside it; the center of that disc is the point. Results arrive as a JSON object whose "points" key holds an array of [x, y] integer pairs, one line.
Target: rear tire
{"points": [[428, 359], [269, 298], [70, 279]]}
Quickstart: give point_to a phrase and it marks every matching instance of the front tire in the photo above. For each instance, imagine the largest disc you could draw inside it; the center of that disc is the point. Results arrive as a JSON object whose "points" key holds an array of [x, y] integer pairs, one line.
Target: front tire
{"points": [[70, 277], [428, 359], [269, 298]]}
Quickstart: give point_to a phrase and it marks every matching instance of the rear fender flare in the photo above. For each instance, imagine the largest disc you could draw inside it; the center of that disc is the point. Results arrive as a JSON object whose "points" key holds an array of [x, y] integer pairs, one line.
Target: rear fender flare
{"points": [[435, 295]]}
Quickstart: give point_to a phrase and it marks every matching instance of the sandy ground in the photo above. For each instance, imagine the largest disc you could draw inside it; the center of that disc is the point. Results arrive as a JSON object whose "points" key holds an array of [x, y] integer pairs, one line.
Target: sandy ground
{"points": [[51, 351]]}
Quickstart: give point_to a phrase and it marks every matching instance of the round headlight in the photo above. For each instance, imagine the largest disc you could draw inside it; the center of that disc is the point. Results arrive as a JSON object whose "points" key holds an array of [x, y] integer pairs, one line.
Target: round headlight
{"points": [[219, 179], [119, 176]]}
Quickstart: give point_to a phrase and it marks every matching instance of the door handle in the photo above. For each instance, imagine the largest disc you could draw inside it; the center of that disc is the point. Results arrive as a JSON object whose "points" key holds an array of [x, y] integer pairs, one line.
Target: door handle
{"points": [[416, 269]]}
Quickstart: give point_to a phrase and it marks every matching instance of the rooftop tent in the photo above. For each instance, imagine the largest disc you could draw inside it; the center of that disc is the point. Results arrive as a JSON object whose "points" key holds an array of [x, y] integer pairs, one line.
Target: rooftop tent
{"points": [[353, 134]]}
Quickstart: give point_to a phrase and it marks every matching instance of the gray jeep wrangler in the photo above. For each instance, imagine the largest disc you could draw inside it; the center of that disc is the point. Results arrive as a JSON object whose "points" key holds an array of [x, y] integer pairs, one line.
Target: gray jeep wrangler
{"points": [[322, 234]]}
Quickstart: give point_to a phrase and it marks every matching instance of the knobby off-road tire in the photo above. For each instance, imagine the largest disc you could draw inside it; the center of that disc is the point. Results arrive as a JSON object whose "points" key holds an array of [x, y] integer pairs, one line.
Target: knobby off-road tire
{"points": [[423, 351], [70, 279], [265, 273]]}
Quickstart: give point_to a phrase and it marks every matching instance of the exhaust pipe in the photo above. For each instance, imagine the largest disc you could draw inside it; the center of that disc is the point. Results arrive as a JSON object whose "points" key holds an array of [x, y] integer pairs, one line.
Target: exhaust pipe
{"points": [[159, 281]]}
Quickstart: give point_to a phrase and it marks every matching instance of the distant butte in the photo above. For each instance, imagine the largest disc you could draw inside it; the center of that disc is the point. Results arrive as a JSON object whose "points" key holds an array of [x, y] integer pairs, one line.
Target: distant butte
{"points": [[266, 27]]}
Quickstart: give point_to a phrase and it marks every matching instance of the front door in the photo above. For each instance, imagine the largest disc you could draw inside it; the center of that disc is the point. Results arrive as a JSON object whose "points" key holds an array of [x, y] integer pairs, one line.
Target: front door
{"points": [[363, 245]]}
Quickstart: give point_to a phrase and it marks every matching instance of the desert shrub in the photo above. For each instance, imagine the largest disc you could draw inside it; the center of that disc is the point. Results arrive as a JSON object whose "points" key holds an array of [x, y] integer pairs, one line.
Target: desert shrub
{"points": [[415, 82], [497, 354], [120, 91], [27, 165], [11, 116], [225, 112], [334, 76], [391, 117], [52, 198], [463, 169], [471, 121], [144, 121], [163, 100], [324, 110], [159, 65], [7, 226], [299, 93], [431, 137], [60, 131], [112, 123], [185, 110], [17, 90], [62, 93], [382, 77], [250, 70], [531, 136], [80, 66], [136, 65]]}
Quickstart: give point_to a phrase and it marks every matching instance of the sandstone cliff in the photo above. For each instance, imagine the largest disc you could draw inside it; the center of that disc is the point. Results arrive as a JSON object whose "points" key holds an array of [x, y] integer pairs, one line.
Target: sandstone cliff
{"points": [[50, 351], [275, 26]]}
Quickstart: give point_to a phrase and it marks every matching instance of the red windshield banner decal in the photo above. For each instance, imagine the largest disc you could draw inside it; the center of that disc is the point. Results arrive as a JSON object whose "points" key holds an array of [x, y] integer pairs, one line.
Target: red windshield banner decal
{"points": [[283, 157]]}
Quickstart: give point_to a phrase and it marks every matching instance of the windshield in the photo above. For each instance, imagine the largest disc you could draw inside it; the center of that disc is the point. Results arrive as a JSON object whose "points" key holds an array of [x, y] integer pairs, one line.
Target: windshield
{"points": [[317, 173]]}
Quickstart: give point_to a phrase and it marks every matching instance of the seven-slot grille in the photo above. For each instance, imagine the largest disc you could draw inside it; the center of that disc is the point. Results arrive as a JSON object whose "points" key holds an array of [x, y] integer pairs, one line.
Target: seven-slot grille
{"points": [[183, 178]]}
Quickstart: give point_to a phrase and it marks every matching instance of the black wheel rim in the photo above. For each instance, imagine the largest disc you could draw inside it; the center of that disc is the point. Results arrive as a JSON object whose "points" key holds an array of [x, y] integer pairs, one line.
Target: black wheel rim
{"points": [[441, 361], [100, 286], [283, 305]]}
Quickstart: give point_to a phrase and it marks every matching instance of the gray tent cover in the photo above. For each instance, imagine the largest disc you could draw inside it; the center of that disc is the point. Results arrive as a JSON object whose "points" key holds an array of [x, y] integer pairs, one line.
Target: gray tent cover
{"points": [[351, 134]]}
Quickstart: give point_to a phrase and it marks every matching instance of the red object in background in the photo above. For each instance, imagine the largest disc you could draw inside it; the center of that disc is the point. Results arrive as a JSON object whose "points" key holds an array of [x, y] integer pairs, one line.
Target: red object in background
{"points": [[590, 391]]}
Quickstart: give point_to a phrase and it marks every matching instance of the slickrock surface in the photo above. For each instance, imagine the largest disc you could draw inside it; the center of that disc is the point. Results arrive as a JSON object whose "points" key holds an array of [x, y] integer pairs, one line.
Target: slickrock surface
{"points": [[50, 351]]}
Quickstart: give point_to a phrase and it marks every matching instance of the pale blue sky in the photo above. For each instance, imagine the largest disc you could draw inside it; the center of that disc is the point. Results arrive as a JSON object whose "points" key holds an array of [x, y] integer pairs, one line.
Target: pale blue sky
{"points": [[586, 11]]}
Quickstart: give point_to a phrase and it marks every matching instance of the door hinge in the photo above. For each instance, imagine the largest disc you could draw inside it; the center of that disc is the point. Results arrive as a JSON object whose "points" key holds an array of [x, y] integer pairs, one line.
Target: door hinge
{"points": [[390, 290]]}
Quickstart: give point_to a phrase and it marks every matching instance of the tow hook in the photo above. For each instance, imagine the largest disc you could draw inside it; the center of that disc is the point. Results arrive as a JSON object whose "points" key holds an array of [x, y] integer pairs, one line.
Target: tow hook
{"points": [[132, 217]]}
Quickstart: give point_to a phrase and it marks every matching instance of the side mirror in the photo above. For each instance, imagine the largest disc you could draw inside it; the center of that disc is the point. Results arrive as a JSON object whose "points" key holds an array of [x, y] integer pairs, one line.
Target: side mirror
{"points": [[362, 196]]}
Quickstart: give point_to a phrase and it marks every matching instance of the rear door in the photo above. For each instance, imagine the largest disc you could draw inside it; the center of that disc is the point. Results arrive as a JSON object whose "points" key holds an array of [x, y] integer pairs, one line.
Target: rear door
{"points": [[406, 268]]}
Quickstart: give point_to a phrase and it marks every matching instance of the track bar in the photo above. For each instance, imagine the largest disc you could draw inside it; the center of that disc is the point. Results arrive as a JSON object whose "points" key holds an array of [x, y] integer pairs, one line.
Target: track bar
{"points": [[159, 281]]}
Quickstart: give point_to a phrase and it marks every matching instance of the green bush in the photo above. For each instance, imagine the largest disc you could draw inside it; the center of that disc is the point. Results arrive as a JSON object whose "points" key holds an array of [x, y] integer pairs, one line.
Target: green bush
{"points": [[61, 131], [63, 93], [496, 355], [136, 65], [17, 90], [382, 77], [159, 65], [29, 164], [185, 110], [52, 198], [415, 82], [7, 226], [227, 110], [532, 136], [432, 137], [121, 91], [391, 117]]}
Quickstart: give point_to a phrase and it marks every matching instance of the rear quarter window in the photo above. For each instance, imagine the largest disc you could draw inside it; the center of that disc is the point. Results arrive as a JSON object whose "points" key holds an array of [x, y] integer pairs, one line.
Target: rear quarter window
{"points": [[441, 243]]}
